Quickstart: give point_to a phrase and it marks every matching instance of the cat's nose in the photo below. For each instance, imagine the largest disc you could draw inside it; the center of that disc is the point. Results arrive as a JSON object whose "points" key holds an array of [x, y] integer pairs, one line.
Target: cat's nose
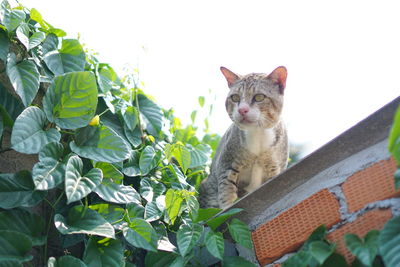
{"points": [[243, 110]]}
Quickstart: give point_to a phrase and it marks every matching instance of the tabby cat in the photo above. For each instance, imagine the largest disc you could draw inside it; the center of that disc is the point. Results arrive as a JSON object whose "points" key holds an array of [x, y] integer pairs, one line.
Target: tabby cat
{"points": [[255, 147]]}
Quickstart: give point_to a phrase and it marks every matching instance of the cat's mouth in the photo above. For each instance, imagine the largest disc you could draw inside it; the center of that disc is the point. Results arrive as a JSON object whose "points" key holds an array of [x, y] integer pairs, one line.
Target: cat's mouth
{"points": [[245, 120]]}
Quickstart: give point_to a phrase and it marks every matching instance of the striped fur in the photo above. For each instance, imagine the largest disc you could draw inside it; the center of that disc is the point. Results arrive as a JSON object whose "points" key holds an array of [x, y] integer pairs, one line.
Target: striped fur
{"points": [[255, 147]]}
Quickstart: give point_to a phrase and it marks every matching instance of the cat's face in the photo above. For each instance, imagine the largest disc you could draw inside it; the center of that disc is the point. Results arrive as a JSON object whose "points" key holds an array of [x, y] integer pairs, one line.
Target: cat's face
{"points": [[255, 100]]}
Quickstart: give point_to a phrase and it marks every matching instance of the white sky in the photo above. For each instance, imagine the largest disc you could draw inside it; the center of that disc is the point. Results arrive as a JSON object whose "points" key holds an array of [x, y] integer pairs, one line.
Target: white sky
{"points": [[343, 57]]}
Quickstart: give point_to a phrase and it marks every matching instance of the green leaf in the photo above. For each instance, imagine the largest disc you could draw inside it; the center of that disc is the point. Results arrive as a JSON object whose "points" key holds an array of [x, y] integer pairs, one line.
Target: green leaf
{"points": [[117, 193], [148, 160], [187, 237], [110, 212], [389, 240], [365, 250], [103, 252], [49, 172], [23, 33], [10, 107], [205, 214], [321, 250], [50, 43], [4, 45], [24, 77], [220, 219], [71, 100], [77, 185], [24, 222], [69, 58], [1, 126], [173, 202], [199, 155], [130, 115], [336, 260], [397, 179], [150, 189], [36, 16], [236, 261], [36, 39], [215, 244], [28, 134], [14, 246], [135, 210], [141, 234], [57, 32], [134, 137], [109, 171], [201, 101], [151, 113], [180, 153], [394, 137], [100, 143], [193, 116], [65, 261], [300, 259], [11, 18], [17, 190], [82, 220], [317, 235], [240, 233], [152, 212], [131, 166], [159, 259], [107, 78]]}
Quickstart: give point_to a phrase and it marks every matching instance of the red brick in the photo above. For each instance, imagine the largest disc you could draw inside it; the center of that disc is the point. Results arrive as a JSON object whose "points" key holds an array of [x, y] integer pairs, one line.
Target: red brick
{"points": [[290, 229], [371, 184], [375, 219]]}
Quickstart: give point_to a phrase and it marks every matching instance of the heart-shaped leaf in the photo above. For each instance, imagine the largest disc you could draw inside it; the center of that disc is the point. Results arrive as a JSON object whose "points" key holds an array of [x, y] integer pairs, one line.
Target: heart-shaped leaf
{"points": [[141, 234], [24, 222], [14, 246], [150, 189], [389, 240], [206, 214], [215, 244], [200, 155], [180, 153], [11, 18], [24, 77], [23, 33], [148, 160], [36, 39], [134, 137], [131, 166], [151, 113], [17, 190], [187, 237], [173, 202], [110, 171], [71, 100], [130, 115], [240, 233], [152, 212], [50, 43], [77, 185], [100, 143], [321, 251], [83, 220], [69, 58], [50, 170], [100, 252], [28, 135], [365, 250], [117, 193]]}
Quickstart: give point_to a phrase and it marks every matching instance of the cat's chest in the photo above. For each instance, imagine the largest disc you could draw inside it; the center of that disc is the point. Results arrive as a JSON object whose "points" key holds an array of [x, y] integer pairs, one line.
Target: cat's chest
{"points": [[259, 140]]}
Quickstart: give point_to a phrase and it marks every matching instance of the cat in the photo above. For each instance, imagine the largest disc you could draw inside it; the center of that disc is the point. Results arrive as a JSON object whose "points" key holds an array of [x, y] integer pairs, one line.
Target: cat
{"points": [[255, 147]]}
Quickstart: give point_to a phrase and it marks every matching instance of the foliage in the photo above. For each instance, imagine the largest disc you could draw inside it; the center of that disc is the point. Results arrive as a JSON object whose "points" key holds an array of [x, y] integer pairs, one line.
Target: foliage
{"points": [[377, 248], [119, 172]]}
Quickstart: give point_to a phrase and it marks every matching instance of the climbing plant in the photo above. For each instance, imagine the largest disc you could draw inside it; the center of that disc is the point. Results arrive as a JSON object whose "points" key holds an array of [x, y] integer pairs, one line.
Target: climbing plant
{"points": [[116, 175], [375, 249]]}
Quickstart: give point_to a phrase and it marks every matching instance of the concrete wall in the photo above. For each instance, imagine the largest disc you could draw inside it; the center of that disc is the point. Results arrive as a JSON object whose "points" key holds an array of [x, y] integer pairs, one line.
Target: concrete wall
{"points": [[347, 185]]}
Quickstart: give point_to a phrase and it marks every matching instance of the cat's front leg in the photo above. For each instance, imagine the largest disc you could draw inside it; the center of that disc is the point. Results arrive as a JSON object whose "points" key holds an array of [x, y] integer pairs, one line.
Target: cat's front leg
{"points": [[227, 189]]}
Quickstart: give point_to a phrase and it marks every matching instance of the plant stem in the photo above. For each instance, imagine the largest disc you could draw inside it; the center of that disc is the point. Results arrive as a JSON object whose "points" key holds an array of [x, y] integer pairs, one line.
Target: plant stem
{"points": [[53, 206]]}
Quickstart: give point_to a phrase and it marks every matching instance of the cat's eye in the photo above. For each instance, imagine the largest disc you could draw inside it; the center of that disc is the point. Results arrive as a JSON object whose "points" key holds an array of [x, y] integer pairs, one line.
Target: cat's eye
{"points": [[259, 97], [235, 98]]}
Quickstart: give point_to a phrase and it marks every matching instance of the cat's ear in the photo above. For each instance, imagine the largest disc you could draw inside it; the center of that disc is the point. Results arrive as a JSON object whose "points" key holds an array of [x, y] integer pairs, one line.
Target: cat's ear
{"points": [[279, 76], [229, 76]]}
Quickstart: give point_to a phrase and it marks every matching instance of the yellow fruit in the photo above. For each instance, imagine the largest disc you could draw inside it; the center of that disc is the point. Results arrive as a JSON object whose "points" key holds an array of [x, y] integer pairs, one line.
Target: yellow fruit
{"points": [[95, 121]]}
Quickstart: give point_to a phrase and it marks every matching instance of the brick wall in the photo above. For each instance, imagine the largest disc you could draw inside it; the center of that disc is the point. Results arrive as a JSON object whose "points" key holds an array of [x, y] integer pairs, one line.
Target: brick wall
{"points": [[364, 201]]}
